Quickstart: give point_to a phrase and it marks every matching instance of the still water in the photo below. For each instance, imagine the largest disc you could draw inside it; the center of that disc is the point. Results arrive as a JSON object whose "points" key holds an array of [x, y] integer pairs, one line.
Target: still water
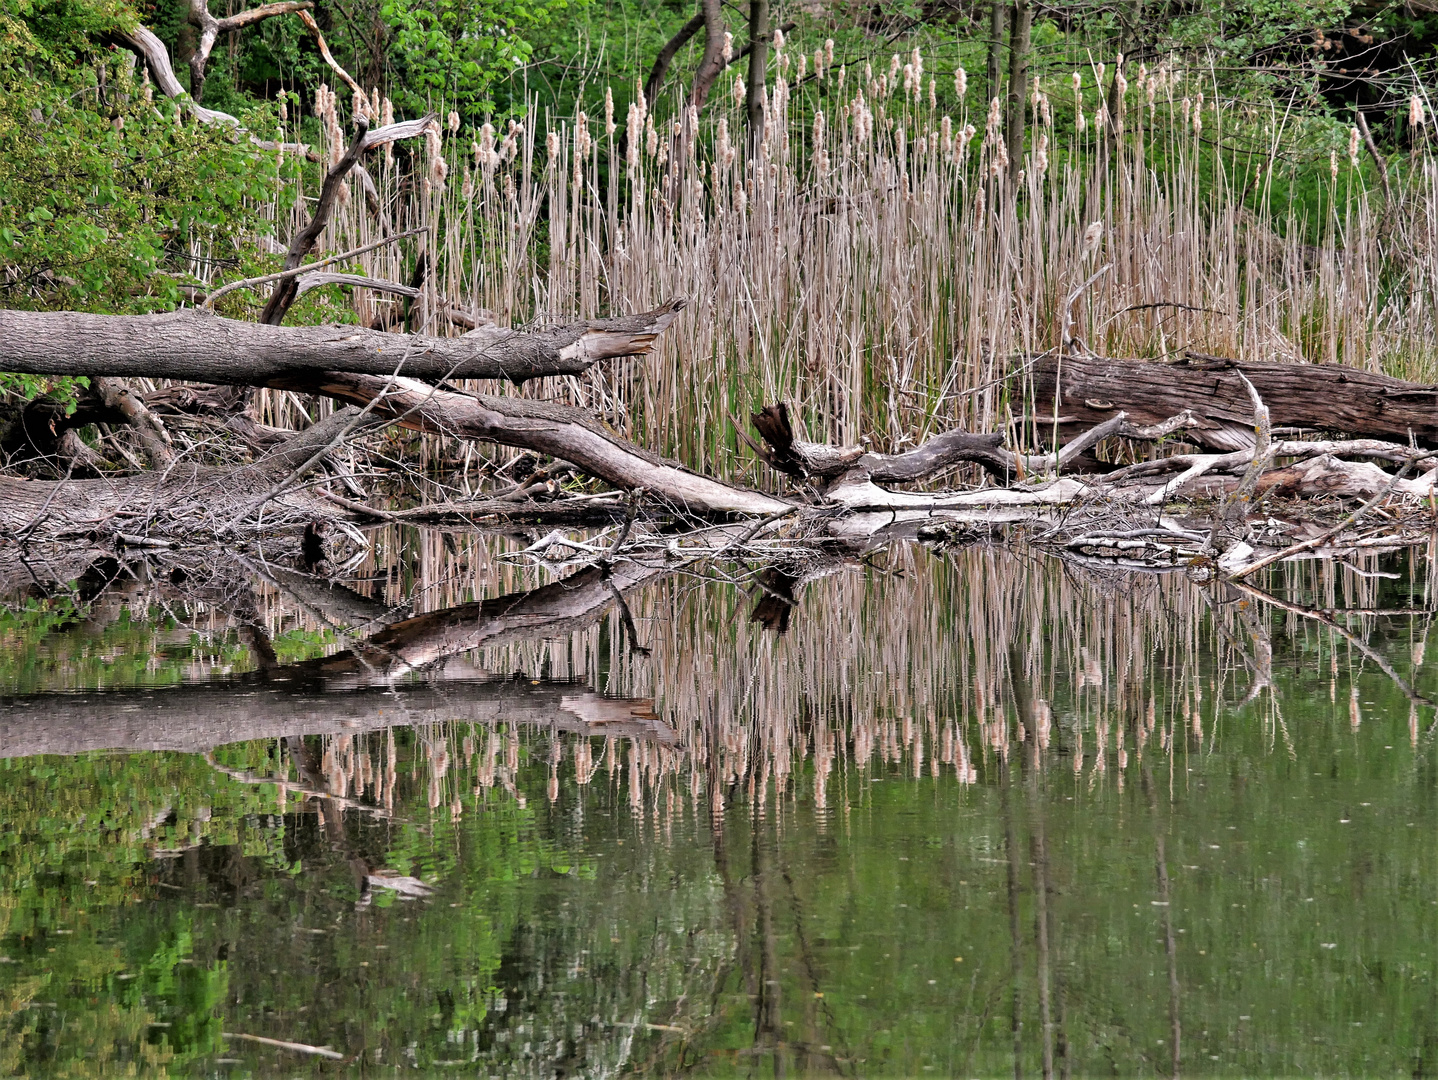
{"points": [[956, 813]]}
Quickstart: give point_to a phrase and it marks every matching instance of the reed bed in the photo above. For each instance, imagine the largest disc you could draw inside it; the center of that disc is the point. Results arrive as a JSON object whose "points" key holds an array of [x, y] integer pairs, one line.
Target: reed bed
{"points": [[880, 263]]}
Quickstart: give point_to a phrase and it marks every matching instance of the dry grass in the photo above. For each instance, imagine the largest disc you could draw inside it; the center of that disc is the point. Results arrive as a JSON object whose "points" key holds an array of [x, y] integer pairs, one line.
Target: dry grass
{"points": [[886, 270]]}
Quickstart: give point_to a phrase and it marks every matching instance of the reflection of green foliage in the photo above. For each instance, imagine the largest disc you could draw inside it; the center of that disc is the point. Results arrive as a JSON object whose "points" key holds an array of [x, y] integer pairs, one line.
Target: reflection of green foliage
{"points": [[53, 644], [588, 932]]}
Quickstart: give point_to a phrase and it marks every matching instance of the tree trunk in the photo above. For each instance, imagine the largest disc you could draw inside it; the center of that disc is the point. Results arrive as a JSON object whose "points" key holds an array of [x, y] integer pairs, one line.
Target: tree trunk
{"points": [[1019, 35], [754, 97], [197, 346], [1000, 14]]}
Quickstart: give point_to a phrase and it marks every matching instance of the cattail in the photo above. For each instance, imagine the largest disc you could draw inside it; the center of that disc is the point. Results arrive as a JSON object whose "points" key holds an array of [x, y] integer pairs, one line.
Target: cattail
{"points": [[828, 52], [946, 135], [284, 109], [387, 113], [1100, 119], [778, 40], [467, 188], [609, 127], [1080, 122], [991, 125], [819, 63], [728, 52], [1353, 147], [343, 194], [724, 151], [843, 70], [896, 64], [739, 91], [908, 80], [818, 128], [581, 138], [1091, 237], [961, 84], [1415, 111], [651, 136], [1333, 164], [1120, 86], [803, 65], [453, 121], [933, 94], [484, 155], [1078, 84], [1041, 155], [1099, 69], [633, 129], [551, 143]]}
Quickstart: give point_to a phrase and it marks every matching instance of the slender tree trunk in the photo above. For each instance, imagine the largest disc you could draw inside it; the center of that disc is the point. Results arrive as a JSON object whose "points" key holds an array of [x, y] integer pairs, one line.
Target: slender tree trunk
{"points": [[758, 65], [660, 70], [1019, 43], [1000, 13]]}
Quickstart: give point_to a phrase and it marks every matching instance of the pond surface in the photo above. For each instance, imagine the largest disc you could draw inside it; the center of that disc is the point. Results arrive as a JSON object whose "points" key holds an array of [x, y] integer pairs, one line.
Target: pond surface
{"points": [[958, 813]]}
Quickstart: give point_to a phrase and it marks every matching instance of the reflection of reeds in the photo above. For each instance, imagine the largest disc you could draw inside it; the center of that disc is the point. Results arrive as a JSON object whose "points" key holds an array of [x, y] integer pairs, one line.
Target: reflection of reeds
{"points": [[880, 264], [902, 671]]}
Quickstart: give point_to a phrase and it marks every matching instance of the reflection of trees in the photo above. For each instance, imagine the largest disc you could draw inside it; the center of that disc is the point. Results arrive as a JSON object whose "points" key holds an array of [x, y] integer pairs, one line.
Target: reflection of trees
{"points": [[738, 764]]}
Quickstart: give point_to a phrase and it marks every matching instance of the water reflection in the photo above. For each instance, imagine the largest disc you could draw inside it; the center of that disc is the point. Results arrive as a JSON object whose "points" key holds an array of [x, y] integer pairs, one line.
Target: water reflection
{"points": [[964, 812]]}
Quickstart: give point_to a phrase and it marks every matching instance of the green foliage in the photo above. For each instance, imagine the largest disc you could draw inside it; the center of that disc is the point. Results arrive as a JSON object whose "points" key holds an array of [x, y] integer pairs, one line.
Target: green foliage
{"points": [[452, 52], [107, 192]]}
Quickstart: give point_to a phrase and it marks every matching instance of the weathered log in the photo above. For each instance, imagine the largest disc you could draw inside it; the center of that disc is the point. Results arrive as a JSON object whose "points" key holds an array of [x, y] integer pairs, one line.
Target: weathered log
{"points": [[542, 426], [1326, 397], [185, 500], [199, 347]]}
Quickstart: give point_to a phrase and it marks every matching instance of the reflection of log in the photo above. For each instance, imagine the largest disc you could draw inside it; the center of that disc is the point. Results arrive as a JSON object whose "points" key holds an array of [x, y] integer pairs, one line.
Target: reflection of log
{"points": [[1321, 396], [195, 718], [357, 689]]}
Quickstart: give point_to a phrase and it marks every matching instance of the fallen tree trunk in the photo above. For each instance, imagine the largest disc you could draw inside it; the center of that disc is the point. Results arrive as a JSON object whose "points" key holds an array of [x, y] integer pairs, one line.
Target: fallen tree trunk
{"points": [[184, 500], [196, 346], [1325, 397], [544, 427]]}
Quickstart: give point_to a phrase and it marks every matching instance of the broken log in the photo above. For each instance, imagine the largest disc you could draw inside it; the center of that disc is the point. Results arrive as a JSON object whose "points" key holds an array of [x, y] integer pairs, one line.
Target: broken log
{"points": [[1320, 397], [196, 346], [183, 500]]}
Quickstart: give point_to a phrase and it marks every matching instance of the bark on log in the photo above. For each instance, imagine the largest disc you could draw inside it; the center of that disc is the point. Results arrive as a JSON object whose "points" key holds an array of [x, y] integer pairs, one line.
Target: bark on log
{"points": [[1318, 396], [542, 426], [196, 346], [185, 500]]}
